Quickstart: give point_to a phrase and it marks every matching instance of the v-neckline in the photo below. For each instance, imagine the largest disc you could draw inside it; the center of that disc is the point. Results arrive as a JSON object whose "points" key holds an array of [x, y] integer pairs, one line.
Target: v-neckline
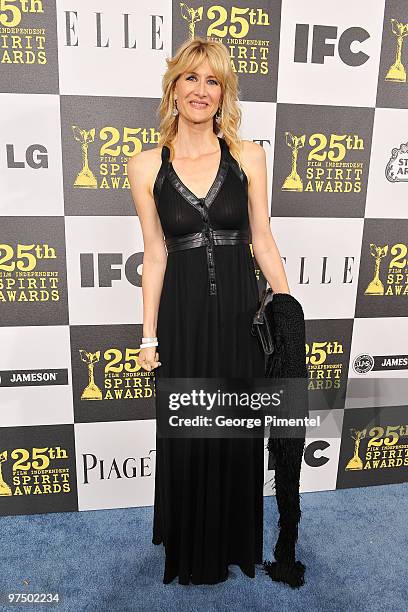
{"points": [[212, 191]]}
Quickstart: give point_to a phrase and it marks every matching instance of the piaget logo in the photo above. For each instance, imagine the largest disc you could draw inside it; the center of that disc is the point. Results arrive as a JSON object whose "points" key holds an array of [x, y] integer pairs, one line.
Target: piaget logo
{"points": [[123, 377], [33, 472], [21, 277], [327, 168], [231, 25], [324, 366], [396, 272], [382, 451], [21, 45], [396, 170], [114, 147], [397, 72]]}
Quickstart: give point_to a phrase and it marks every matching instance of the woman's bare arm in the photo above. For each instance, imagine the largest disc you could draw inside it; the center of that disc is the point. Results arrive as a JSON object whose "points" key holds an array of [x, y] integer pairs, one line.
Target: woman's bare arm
{"points": [[263, 243], [142, 169]]}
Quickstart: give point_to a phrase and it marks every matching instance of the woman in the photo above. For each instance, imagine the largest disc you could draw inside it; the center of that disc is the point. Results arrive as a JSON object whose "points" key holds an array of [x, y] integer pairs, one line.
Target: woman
{"points": [[205, 193]]}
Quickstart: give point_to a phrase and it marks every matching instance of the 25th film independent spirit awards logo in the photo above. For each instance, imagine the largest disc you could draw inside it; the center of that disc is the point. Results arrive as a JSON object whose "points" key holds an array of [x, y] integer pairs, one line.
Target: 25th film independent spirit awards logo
{"points": [[108, 382], [392, 78], [327, 359], [96, 151], [37, 470], [397, 72], [28, 51], [251, 36], [374, 448], [33, 283], [383, 277], [323, 162]]}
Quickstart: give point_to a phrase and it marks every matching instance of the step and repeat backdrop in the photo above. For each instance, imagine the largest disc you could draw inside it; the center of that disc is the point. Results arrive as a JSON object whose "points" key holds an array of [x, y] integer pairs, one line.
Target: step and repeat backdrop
{"points": [[324, 90]]}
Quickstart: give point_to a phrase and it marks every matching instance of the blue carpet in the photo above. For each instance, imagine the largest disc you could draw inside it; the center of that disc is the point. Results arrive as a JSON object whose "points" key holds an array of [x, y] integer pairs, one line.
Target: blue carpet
{"points": [[354, 543]]}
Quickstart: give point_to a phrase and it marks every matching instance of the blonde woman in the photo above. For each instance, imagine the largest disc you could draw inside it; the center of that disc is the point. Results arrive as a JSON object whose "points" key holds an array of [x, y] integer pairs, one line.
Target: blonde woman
{"points": [[200, 197]]}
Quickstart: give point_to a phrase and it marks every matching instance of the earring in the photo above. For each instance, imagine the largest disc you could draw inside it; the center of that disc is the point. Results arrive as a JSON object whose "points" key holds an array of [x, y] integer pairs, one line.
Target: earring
{"points": [[218, 115], [174, 112]]}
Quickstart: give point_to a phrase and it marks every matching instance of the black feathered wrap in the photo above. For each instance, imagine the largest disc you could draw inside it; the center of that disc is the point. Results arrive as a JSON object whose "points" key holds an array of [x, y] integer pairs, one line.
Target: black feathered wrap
{"points": [[288, 361]]}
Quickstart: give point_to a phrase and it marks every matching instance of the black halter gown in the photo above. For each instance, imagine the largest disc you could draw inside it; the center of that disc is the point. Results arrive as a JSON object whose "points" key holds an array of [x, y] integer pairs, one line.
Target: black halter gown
{"points": [[208, 507]]}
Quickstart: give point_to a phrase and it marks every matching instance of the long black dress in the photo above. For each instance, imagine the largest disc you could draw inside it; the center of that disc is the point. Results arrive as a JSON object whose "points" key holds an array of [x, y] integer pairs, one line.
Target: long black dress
{"points": [[208, 507]]}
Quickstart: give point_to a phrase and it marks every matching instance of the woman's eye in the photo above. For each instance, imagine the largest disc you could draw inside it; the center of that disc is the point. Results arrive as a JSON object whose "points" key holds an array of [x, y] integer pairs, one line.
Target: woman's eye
{"points": [[192, 76]]}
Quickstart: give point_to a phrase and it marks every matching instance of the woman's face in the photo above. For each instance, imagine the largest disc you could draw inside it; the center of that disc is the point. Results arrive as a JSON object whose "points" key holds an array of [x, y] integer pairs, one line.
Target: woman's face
{"points": [[198, 94]]}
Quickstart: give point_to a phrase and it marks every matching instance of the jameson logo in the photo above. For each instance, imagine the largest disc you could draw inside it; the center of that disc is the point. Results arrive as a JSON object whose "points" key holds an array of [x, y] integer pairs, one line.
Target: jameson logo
{"points": [[382, 448], [103, 155], [34, 472], [19, 44], [324, 362], [233, 26], [116, 376], [365, 363], [329, 160], [21, 276], [397, 72], [396, 170], [390, 274]]}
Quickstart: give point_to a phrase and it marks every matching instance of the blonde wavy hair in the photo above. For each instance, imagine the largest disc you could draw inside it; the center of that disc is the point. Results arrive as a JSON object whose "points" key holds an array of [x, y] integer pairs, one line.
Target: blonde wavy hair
{"points": [[188, 56]]}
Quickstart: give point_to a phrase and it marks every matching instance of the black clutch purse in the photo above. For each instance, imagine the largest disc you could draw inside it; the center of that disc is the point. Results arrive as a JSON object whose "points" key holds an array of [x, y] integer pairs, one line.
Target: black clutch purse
{"points": [[263, 327], [262, 323]]}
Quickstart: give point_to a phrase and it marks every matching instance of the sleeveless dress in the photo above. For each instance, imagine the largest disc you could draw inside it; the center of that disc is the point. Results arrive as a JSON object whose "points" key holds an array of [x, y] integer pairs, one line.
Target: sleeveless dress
{"points": [[208, 505]]}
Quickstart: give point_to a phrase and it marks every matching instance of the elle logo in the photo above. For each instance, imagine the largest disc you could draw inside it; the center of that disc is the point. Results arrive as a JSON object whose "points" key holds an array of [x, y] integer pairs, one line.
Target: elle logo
{"points": [[101, 37]]}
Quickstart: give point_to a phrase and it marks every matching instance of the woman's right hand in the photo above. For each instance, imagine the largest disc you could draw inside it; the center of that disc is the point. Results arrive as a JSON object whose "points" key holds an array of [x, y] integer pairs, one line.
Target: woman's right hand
{"points": [[149, 358]]}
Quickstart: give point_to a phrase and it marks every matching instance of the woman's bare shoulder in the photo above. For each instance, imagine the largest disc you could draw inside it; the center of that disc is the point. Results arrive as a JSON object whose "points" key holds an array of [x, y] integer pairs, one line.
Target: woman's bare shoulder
{"points": [[252, 154], [251, 151], [144, 159], [144, 167]]}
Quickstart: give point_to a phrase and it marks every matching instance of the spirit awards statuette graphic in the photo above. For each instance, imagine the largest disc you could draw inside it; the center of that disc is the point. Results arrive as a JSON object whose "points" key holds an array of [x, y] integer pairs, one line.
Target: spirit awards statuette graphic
{"points": [[397, 72], [191, 15], [91, 391], [85, 177], [355, 462], [293, 182], [375, 286], [4, 488]]}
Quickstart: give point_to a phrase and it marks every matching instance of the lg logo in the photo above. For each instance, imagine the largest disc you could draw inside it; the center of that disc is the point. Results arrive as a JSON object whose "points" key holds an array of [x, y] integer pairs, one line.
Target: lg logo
{"points": [[321, 48], [36, 156]]}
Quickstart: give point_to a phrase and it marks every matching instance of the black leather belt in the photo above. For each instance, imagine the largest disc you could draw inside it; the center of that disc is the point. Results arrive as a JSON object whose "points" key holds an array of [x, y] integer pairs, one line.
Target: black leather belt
{"points": [[208, 237]]}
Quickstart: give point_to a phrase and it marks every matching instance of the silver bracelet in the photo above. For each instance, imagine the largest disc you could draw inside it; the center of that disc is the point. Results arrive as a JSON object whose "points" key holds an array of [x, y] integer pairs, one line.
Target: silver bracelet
{"points": [[147, 344]]}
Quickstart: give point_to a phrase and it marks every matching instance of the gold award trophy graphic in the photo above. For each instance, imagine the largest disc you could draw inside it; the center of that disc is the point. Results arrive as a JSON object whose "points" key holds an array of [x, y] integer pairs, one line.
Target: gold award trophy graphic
{"points": [[91, 391], [355, 462], [293, 182], [375, 286], [396, 72], [4, 488], [191, 15], [85, 177]]}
